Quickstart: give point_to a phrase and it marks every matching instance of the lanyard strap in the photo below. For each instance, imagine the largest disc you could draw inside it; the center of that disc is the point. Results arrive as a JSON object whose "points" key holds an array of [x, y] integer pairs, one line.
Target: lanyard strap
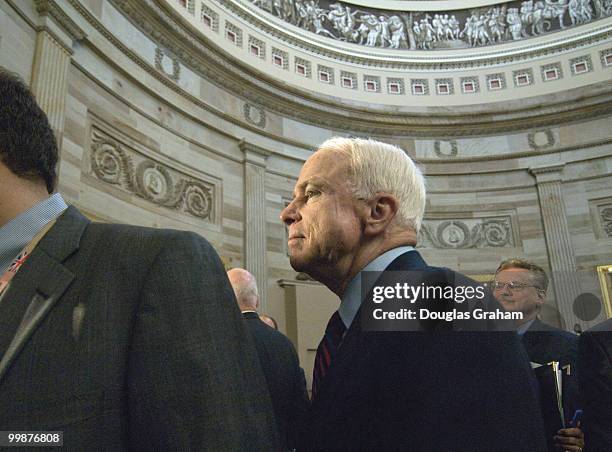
{"points": [[22, 257]]}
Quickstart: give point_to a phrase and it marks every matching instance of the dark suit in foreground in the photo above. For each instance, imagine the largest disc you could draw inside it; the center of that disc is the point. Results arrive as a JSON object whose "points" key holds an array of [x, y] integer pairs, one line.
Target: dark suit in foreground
{"points": [[433, 390], [125, 337], [285, 378], [595, 366], [545, 343]]}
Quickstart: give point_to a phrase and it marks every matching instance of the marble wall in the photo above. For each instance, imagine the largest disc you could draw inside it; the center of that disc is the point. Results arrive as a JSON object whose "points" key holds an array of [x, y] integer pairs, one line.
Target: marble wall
{"points": [[148, 138]]}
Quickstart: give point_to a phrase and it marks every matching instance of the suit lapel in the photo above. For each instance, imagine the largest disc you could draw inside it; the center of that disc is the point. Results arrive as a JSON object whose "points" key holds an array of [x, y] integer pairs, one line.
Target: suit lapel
{"points": [[38, 286], [410, 260]]}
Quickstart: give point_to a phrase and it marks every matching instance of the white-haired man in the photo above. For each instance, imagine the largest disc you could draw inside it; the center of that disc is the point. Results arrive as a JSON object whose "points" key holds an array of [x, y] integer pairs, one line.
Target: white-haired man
{"points": [[357, 206], [278, 359]]}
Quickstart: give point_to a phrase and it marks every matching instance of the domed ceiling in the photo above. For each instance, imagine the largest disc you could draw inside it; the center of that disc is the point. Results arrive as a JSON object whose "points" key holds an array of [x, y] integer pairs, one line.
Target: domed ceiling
{"points": [[434, 25], [443, 67]]}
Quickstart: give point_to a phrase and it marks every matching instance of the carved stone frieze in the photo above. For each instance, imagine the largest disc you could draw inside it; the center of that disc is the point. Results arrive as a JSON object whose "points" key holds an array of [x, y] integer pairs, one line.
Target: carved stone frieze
{"points": [[53, 9], [541, 139], [510, 21], [606, 218], [189, 48], [444, 149], [171, 69], [488, 232], [118, 164], [254, 115], [601, 216]]}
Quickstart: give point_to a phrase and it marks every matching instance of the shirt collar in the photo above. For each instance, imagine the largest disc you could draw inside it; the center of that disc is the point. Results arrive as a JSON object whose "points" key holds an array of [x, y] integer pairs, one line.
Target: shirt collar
{"points": [[352, 298], [525, 326], [18, 232]]}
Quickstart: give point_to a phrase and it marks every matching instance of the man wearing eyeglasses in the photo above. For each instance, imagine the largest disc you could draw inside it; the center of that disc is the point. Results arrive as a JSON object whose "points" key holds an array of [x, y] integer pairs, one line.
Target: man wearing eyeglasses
{"points": [[520, 286]]}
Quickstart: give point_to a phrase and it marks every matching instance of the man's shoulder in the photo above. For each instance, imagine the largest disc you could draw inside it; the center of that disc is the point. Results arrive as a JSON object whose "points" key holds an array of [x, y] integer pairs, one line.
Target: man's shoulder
{"points": [[602, 327], [541, 327], [73, 219], [271, 337], [136, 236]]}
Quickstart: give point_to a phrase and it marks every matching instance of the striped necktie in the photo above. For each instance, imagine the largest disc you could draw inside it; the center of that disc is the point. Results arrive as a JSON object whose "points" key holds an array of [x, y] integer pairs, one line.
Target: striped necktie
{"points": [[326, 351]]}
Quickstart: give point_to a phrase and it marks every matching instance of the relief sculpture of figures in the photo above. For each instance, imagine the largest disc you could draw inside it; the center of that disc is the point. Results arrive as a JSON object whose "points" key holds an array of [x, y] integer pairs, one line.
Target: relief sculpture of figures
{"points": [[398, 35], [511, 21]]}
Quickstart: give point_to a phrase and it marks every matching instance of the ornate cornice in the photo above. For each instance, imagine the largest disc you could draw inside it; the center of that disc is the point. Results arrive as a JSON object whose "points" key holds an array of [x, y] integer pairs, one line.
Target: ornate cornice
{"points": [[51, 8], [253, 154], [169, 32], [403, 61], [548, 173]]}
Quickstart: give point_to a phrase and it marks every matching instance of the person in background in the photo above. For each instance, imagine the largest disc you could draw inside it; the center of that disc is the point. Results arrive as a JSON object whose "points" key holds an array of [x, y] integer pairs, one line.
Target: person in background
{"points": [[357, 206], [595, 377], [120, 337], [268, 321], [521, 286], [279, 360]]}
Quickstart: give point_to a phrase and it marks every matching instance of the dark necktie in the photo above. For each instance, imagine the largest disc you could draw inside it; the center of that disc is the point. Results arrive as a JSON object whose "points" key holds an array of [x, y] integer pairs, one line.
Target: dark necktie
{"points": [[326, 351]]}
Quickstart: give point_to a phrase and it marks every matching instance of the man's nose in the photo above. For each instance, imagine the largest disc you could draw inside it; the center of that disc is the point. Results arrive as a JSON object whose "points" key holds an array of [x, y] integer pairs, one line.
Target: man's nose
{"points": [[289, 215]]}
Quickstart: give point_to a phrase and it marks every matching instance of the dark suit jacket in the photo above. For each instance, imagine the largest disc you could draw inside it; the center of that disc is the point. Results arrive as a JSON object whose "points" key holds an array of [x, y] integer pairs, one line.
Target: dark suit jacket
{"points": [[595, 364], [126, 337], [545, 343], [429, 390], [284, 376]]}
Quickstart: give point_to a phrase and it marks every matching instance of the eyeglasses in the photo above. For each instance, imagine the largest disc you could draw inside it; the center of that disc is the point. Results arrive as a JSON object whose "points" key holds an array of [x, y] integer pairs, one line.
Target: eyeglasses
{"points": [[497, 285]]}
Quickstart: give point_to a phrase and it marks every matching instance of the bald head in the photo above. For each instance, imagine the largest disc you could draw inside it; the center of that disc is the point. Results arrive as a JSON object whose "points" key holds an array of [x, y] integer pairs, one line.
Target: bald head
{"points": [[245, 288]]}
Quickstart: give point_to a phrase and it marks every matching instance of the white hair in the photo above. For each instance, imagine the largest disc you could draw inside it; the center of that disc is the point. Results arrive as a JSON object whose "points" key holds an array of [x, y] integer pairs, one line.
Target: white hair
{"points": [[378, 167]]}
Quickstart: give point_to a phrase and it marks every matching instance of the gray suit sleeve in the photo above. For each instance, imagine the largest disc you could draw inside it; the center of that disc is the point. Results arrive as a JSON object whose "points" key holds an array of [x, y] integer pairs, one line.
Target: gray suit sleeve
{"points": [[192, 360]]}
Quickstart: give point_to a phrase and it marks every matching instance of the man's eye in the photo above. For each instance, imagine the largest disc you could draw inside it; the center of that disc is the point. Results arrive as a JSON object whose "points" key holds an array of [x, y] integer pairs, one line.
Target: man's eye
{"points": [[310, 193]]}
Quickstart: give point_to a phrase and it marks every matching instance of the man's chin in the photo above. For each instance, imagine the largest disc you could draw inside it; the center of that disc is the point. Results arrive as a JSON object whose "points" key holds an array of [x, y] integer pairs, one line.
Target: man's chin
{"points": [[510, 307], [299, 264]]}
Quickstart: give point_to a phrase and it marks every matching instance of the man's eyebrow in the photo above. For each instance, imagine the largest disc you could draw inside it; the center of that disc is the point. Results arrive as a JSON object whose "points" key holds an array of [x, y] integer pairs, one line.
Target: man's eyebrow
{"points": [[316, 182]]}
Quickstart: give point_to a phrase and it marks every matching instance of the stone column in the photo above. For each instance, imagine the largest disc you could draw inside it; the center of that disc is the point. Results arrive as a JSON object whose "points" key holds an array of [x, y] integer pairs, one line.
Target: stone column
{"points": [[56, 35], [255, 216], [558, 240]]}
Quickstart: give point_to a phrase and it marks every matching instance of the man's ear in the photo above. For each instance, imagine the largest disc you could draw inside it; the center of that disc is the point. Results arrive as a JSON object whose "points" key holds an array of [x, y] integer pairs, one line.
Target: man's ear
{"points": [[381, 210], [541, 297]]}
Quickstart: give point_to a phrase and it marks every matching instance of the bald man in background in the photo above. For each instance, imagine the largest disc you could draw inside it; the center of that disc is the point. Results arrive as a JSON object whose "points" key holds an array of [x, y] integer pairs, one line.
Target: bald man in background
{"points": [[278, 359]]}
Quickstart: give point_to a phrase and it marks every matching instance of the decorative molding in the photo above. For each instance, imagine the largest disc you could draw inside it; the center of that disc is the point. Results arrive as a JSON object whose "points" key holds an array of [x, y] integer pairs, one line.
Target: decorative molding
{"points": [[445, 81], [554, 66], [547, 173], [601, 216], [212, 15], [51, 8], [473, 80], [254, 154], [445, 152], [126, 168], [489, 25], [485, 232], [535, 142], [605, 214], [231, 28], [159, 64], [260, 45], [586, 59], [254, 115], [313, 109], [527, 51], [283, 55], [604, 57]]}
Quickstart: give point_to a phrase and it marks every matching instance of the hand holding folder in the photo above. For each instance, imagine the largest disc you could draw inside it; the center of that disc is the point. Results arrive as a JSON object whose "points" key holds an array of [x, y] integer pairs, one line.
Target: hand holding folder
{"points": [[558, 395]]}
